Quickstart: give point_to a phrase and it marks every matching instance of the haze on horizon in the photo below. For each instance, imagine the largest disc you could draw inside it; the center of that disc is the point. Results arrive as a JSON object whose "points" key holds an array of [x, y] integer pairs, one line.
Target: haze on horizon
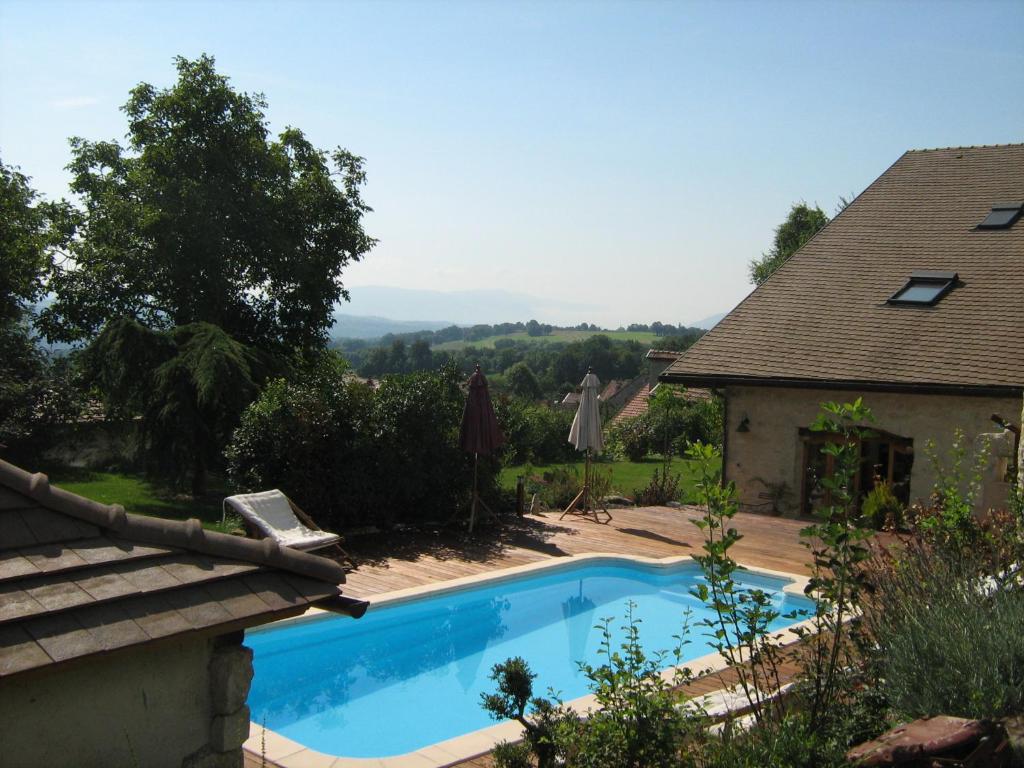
{"points": [[617, 162]]}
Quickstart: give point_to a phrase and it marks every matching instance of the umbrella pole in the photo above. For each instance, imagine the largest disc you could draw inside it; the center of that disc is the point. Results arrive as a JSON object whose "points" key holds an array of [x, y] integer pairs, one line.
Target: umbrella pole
{"points": [[583, 495], [472, 506], [586, 484]]}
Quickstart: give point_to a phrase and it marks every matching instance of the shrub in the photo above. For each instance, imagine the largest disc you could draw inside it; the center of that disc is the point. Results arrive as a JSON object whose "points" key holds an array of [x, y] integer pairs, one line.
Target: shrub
{"points": [[882, 510], [669, 426], [534, 432], [39, 399], [350, 455], [663, 488], [947, 629], [560, 486], [950, 512], [630, 438], [638, 722]]}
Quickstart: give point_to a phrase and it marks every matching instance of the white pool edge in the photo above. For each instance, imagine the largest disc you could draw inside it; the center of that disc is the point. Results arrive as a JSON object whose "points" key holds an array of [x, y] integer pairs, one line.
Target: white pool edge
{"points": [[291, 754]]}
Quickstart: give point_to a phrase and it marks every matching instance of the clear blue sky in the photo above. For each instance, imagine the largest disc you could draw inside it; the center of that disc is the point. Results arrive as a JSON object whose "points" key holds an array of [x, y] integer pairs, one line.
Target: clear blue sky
{"points": [[630, 157]]}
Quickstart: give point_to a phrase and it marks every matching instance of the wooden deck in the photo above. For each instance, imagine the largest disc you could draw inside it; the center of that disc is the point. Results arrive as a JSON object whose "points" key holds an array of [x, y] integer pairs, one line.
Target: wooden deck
{"points": [[400, 560], [405, 560]]}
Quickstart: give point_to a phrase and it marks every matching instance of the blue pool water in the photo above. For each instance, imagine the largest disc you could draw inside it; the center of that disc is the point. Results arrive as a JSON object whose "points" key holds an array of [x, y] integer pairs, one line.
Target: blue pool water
{"points": [[410, 674]]}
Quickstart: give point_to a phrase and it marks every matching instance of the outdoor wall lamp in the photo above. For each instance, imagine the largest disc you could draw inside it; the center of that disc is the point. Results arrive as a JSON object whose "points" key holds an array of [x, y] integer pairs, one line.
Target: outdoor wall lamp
{"points": [[744, 424]]}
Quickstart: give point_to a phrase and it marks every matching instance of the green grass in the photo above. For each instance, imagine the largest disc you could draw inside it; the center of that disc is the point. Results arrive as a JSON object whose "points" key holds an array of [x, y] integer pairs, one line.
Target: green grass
{"points": [[627, 476], [138, 495], [562, 336]]}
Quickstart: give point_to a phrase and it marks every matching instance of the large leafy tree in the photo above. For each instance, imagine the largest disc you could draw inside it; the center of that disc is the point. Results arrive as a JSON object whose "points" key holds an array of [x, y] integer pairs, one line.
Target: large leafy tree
{"points": [[208, 253], [802, 223], [205, 217], [31, 231]]}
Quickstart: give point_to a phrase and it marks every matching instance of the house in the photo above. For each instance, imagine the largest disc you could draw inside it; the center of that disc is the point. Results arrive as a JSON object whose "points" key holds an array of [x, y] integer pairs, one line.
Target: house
{"points": [[657, 361], [121, 635], [912, 298]]}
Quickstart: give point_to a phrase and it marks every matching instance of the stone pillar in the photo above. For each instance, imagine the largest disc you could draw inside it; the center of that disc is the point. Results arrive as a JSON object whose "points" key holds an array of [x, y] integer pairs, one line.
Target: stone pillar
{"points": [[230, 675]]}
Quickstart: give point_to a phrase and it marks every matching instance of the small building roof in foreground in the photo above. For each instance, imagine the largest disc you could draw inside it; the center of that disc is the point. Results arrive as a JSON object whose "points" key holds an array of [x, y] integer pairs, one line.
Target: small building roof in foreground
{"points": [[825, 318], [79, 578]]}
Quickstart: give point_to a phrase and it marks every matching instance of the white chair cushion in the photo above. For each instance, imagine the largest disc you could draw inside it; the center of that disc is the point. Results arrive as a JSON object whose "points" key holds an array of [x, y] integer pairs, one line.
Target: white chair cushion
{"points": [[272, 514]]}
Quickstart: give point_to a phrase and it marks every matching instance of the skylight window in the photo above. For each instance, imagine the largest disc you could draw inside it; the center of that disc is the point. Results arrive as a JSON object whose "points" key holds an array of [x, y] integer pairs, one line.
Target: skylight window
{"points": [[1002, 216], [924, 288]]}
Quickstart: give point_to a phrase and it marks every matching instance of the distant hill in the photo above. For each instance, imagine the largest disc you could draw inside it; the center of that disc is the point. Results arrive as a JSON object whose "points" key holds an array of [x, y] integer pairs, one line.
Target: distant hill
{"points": [[373, 327], [708, 322], [563, 335], [458, 307]]}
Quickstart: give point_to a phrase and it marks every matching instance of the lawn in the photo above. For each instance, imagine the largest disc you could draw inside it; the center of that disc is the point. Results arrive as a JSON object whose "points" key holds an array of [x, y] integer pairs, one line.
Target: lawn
{"points": [[562, 336], [627, 476], [138, 495]]}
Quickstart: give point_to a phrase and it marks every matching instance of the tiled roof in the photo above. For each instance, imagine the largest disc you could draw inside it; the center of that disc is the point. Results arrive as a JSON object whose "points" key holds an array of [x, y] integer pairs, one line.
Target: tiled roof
{"points": [[612, 388], [823, 317], [662, 354], [636, 405], [78, 578]]}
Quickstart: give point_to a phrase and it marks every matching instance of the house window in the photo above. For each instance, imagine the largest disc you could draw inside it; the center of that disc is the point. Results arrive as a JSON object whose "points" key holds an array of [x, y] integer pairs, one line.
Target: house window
{"points": [[884, 458], [1002, 216], [924, 288]]}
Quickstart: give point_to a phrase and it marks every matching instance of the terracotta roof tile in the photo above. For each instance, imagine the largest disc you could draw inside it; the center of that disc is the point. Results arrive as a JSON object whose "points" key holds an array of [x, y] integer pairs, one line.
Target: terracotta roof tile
{"points": [[823, 316], [79, 578]]}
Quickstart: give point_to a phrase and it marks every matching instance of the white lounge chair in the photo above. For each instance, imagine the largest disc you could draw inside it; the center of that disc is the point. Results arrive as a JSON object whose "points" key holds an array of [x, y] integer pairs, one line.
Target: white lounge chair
{"points": [[271, 514]]}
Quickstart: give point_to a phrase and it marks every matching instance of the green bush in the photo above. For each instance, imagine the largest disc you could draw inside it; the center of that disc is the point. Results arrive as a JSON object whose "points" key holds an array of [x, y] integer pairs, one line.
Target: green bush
{"points": [[638, 722], [947, 628], [669, 427], [882, 510], [663, 488], [949, 515], [534, 432], [350, 455], [39, 399], [790, 743], [630, 438], [560, 486]]}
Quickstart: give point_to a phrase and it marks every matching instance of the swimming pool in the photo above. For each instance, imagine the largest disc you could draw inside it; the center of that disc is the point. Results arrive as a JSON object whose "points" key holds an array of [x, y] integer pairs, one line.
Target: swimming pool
{"points": [[410, 673]]}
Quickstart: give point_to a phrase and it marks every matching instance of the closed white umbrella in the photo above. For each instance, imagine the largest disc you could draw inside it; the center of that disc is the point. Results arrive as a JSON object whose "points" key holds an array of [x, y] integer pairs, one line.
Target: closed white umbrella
{"points": [[586, 435]]}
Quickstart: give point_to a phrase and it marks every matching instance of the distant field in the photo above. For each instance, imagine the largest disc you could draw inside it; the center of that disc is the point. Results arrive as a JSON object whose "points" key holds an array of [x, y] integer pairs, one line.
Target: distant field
{"points": [[644, 337]]}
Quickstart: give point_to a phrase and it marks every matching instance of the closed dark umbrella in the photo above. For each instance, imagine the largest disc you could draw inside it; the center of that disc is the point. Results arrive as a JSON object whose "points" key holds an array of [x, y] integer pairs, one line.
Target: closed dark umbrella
{"points": [[480, 433]]}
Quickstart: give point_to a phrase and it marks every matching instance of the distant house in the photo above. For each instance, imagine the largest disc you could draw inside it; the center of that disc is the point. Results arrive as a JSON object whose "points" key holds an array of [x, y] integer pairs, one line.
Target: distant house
{"points": [[657, 361], [121, 635], [912, 298], [570, 402]]}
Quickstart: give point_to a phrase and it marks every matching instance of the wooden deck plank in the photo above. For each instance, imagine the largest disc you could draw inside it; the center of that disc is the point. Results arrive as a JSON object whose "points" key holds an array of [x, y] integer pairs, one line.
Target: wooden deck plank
{"points": [[769, 542]]}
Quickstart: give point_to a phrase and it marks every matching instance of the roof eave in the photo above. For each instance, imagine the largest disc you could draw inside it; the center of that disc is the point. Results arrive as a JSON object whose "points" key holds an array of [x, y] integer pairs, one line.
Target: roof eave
{"points": [[920, 388]]}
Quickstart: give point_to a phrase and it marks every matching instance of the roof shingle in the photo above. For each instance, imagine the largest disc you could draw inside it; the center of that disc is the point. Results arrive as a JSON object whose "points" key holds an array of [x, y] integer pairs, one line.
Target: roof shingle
{"points": [[823, 316]]}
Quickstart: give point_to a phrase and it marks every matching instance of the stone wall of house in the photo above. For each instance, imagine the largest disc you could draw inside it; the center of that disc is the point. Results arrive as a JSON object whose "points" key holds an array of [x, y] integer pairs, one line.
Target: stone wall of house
{"points": [[171, 705], [771, 449]]}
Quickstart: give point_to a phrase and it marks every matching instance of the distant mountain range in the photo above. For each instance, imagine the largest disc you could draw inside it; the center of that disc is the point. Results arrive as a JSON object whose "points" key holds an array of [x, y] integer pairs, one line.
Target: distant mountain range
{"points": [[709, 322], [373, 327], [459, 307], [376, 310]]}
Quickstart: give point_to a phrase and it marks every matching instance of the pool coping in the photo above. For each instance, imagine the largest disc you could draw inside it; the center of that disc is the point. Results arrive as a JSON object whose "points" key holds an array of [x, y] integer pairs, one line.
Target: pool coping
{"points": [[287, 753]]}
